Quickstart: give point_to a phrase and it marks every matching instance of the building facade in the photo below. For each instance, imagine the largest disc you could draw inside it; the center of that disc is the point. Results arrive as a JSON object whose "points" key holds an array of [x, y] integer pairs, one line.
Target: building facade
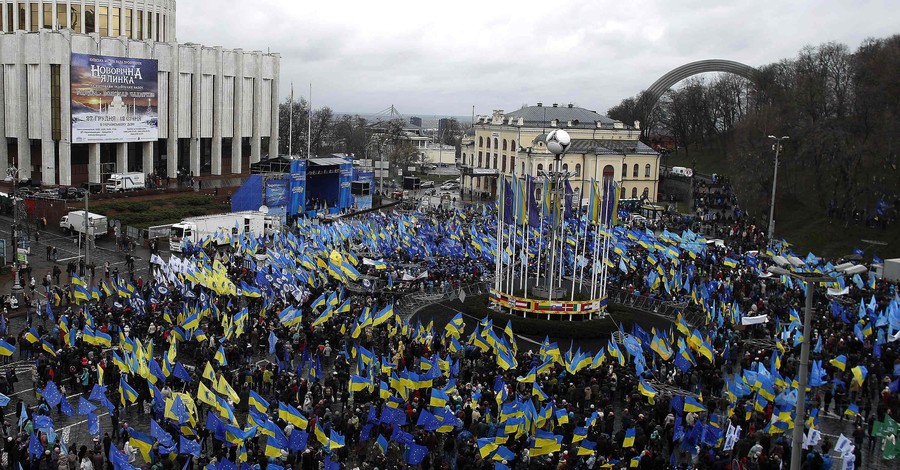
{"points": [[513, 145], [217, 108]]}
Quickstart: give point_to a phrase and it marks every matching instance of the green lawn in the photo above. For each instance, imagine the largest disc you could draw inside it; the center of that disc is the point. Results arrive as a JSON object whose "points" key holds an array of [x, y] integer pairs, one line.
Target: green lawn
{"points": [[148, 213]]}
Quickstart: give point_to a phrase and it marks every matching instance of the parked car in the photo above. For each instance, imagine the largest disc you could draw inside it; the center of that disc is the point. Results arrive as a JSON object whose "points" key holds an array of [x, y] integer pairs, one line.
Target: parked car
{"points": [[426, 184], [71, 192], [49, 193]]}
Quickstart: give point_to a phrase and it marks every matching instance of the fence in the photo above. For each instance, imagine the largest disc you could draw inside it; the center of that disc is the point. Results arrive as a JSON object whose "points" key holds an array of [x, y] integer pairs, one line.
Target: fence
{"points": [[414, 301]]}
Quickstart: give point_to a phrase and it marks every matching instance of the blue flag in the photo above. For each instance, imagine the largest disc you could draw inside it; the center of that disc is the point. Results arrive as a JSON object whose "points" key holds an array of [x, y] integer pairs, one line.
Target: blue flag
{"points": [[51, 394], [93, 424], [34, 447], [188, 446], [66, 408], [43, 423], [180, 372], [272, 341], [298, 440], [84, 406], [415, 454]]}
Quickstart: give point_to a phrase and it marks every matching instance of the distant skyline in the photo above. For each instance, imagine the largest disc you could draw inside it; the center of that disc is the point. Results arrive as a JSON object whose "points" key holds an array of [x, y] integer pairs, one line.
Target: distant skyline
{"points": [[441, 59]]}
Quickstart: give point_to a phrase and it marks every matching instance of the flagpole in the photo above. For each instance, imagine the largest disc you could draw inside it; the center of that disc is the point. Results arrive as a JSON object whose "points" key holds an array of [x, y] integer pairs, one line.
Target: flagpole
{"points": [[291, 123], [497, 259], [540, 237], [309, 124]]}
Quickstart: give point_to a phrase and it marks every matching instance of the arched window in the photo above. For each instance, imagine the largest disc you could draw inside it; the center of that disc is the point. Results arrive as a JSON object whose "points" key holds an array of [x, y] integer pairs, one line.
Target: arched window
{"points": [[622, 193], [481, 141], [624, 170], [578, 169], [504, 144], [634, 172], [540, 167], [633, 193], [647, 170], [646, 193], [503, 168], [496, 143], [565, 167], [512, 146], [609, 174]]}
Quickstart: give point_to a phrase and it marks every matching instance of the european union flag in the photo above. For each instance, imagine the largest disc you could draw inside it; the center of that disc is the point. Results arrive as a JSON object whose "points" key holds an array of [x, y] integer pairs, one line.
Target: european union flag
{"points": [[93, 424], [297, 441], [43, 423], [97, 393], [188, 446], [51, 394], [34, 447], [415, 454], [84, 406], [65, 407], [181, 372], [157, 432]]}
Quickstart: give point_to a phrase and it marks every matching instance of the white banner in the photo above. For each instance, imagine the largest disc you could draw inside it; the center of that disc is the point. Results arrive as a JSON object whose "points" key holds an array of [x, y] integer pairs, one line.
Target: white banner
{"points": [[759, 319]]}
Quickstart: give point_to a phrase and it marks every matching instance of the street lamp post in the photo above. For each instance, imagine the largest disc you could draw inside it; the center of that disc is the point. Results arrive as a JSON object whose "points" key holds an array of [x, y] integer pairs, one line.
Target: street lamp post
{"points": [[800, 417], [12, 173], [777, 146], [557, 143]]}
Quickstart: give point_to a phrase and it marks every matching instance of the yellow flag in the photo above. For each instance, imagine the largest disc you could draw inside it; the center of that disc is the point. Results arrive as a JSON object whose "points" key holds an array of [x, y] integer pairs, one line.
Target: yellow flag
{"points": [[205, 395], [225, 389], [208, 373]]}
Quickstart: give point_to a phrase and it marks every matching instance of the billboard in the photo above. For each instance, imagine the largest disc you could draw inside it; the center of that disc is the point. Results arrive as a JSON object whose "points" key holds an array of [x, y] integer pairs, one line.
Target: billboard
{"points": [[114, 99], [276, 193]]}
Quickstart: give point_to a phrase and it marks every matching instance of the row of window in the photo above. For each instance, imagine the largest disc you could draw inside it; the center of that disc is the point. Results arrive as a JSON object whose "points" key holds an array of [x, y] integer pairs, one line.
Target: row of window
{"points": [[635, 173], [99, 23], [484, 184], [482, 141]]}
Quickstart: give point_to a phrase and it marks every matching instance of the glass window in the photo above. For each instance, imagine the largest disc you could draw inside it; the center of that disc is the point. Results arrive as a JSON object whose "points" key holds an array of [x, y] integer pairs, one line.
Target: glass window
{"points": [[634, 172], [102, 17], [10, 9], [512, 164], [540, 167], [578, 169], [55, 115], [128, 29], [140, 25], [62, 20], [90, 23], [512, 146], [481, 141], [565, 167], [624, 170], [504, 144], [622, 193], [48, 15], [647, 170], [503, 168], [35, 17], [156, 35], [633, 193], [479, 159], [115, 18]]}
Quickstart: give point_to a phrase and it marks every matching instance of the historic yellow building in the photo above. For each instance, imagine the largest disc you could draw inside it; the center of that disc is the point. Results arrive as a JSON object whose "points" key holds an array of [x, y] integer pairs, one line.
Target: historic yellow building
{"points": [[512, 144]]}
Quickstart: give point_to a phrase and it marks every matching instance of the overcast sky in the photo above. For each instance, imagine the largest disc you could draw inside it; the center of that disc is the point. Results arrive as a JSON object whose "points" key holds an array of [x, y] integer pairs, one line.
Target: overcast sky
{"points": [[443, 57]]}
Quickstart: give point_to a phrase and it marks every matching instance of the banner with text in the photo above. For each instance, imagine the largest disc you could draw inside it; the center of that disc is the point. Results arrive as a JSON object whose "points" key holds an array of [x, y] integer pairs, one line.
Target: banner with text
{"points": [[114, 99]]}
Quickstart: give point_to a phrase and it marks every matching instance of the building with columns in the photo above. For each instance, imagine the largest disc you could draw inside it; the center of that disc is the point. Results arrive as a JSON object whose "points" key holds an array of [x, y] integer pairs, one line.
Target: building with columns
{"points": [[217, 108], [513, 145]]}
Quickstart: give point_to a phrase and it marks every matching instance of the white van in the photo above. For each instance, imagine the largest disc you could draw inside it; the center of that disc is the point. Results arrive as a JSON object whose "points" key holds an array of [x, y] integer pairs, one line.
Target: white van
{"points": [[681, 171]]}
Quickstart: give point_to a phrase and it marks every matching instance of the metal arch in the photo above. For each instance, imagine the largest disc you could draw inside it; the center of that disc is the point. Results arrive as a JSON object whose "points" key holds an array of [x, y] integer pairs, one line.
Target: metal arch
{"points": [[655, 92]]}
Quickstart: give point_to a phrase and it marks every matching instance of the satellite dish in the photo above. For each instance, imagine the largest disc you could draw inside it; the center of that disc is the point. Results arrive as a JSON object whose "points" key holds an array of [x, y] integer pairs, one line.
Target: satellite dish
{"points": [[264, 209]]}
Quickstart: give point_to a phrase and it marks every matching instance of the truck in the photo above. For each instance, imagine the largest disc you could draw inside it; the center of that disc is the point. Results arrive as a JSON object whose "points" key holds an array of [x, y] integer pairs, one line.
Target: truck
{"points": [[126, 182], [891, 270], [73, 222], [221, 228]]}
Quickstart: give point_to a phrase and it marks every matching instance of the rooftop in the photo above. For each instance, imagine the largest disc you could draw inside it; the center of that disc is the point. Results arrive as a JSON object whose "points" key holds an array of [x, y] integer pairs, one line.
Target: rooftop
{"points": [[569, 116]]}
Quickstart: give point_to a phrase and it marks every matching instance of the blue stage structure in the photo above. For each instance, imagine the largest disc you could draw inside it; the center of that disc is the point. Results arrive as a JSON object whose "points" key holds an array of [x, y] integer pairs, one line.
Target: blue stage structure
{"points": [[292, 188]]}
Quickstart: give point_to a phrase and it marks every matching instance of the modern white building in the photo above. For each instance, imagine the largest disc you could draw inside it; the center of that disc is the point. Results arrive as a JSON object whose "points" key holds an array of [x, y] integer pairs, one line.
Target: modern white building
{"points": [[216, 110]]}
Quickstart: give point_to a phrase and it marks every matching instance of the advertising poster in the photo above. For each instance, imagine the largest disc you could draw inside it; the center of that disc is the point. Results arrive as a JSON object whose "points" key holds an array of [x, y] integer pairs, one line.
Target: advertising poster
{"points": [[114, 99], [276, 193]]}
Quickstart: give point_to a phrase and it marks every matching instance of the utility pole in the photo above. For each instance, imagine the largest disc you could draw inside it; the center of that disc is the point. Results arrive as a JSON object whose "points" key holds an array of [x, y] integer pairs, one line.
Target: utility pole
{"points": [[774, 183]]}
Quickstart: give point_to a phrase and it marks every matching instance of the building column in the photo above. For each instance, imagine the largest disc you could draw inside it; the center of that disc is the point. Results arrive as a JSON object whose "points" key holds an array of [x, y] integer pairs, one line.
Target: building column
{"points": [[147, 150], [48, 147], [94, 163], [274, 99], [65, 115], [172, 140], [121, 157], [236, 140], [196, 107], [255, 137], [4, 149], [218, 96], [23, 162]]}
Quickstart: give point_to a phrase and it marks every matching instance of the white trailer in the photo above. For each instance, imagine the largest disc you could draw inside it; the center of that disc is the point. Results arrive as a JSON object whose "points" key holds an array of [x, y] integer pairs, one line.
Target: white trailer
{"points": [[97, 225], [891, 270], [126, 182], [221, 227]]}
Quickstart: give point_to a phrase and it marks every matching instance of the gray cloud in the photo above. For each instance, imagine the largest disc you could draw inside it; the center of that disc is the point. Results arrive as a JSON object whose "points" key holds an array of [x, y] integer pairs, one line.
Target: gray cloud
{"points": [[445, 57]]}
